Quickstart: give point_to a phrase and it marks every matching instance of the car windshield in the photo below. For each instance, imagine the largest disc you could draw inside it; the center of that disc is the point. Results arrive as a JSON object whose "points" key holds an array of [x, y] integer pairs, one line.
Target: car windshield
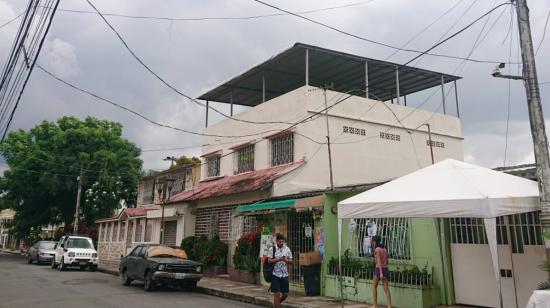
{"points": [[78, 243], [47, 245]]}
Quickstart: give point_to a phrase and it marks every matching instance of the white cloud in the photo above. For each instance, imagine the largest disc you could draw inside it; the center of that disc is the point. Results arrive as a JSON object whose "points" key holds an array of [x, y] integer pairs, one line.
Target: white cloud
{"points": [[60, 57]]}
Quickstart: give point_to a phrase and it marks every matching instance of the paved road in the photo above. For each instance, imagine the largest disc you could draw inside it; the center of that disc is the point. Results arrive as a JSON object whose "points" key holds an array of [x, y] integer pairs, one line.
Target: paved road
{"points": [[23, 285]]}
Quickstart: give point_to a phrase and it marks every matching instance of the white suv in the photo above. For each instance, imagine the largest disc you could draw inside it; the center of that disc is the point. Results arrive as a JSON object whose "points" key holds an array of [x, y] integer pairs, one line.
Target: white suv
{"points": [[74, 250]]}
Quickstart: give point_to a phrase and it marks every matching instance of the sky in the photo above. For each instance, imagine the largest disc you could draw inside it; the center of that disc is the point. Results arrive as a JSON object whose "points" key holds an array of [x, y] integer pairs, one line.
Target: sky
{"points": [[198, 55]]}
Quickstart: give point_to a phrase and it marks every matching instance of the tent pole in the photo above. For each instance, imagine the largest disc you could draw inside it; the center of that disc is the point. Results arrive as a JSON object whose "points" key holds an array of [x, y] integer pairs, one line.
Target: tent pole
{"points": [[340, 280], [490, 230]]}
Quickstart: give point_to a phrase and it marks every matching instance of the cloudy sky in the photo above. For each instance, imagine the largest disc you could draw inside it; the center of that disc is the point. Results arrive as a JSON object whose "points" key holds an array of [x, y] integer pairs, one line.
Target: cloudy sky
{"points": [[197, 55]]}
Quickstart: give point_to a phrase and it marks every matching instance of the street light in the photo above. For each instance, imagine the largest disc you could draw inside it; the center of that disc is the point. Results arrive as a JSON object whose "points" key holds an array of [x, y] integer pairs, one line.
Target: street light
{"points": [[164, 189]]}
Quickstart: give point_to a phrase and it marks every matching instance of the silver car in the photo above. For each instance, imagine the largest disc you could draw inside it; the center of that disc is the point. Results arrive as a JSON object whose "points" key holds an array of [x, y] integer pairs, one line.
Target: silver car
{"points": [[41, 252]]}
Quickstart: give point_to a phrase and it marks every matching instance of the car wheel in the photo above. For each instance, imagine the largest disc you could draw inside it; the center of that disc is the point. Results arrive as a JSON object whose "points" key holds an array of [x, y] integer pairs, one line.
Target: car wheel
{"points": [[190, 285], [93, 268], [53, 265], [29, 259], [62, 265], [124, 278], [148, 283]]}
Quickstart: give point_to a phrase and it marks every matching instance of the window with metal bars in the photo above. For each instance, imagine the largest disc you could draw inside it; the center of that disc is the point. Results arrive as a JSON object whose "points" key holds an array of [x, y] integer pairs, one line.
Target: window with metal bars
{"points": [[148, 192], [245, 159], [282, 149], [466, 230], [525, 229], [213, 166], [393, 231], [179, 182]]}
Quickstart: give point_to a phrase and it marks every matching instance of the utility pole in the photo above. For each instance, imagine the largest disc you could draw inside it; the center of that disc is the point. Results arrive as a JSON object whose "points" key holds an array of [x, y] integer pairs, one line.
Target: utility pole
{"points": [[328, 142], [540, 141], [77, 210]]}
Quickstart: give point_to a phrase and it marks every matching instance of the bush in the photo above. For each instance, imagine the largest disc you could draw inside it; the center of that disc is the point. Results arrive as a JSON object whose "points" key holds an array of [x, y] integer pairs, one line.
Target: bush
{"points": [[211, 252], [247, 253]]}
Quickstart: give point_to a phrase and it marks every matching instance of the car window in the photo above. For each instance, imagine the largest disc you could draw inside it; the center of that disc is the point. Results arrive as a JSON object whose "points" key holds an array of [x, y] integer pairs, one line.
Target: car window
{"points": [[141, 252], [78, 243], [135, 252], [61, 241], [47, 245]]}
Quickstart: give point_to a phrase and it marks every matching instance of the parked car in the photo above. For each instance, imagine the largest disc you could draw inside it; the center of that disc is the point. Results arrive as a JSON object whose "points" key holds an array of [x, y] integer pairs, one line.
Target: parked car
{"points": [[73, 250], [41, 252], [158, 265]]}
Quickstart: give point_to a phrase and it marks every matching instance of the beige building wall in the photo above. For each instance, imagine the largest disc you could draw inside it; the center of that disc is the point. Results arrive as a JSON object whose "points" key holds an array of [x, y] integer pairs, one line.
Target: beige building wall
{"points": [[357, 158]]}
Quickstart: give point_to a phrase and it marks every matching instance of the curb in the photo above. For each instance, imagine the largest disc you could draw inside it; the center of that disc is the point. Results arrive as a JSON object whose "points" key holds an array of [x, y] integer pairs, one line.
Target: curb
{"points": [[107, 271], [11, 252], [260, 301]]}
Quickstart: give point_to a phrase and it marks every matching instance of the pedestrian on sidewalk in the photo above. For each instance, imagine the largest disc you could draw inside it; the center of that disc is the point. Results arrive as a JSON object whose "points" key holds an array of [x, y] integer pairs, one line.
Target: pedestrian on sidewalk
{"points": [[381, 271], [279, 281]]}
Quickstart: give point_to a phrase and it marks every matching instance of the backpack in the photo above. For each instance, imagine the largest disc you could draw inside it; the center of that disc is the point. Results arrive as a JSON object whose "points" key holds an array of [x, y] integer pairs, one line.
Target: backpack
{"points": [[268, 268]]}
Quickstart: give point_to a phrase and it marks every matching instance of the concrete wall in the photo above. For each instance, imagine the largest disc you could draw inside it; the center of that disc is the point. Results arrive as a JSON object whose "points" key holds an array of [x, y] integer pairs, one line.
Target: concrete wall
{"points": [[359, 157]]}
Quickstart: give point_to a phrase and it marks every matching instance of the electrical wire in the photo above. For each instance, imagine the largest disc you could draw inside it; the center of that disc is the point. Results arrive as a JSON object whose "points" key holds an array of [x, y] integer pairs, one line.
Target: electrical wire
{"points": [[12, 20], [421, 53], [166, 83], [543, 33], [172, 19]]}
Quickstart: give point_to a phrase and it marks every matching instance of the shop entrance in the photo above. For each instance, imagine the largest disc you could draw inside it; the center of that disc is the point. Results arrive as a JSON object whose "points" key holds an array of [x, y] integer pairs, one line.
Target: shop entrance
{"points": [[300, 226]]}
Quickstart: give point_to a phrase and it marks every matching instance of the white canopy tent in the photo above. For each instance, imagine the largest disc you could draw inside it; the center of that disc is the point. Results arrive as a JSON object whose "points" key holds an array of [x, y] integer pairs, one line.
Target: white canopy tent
{"points": [[446, 189]]}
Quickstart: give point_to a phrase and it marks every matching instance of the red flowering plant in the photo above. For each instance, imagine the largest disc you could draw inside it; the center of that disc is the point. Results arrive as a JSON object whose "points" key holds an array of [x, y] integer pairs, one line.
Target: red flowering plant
{"points": [[247, 252]]}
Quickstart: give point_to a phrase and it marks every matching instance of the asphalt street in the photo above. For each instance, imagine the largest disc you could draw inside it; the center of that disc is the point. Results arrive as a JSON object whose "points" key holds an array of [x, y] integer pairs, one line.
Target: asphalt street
{"points": [[24, 285]]}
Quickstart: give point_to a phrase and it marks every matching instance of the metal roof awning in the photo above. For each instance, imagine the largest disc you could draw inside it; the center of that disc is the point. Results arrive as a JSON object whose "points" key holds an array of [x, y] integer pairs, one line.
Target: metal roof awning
{"points": [[345, 72], [270, 205]]}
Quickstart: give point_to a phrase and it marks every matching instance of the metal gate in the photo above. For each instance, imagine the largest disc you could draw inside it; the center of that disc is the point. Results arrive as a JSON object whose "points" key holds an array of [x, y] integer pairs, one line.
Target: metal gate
{"points": [[299, 239], [520, 249], [170, 231]]}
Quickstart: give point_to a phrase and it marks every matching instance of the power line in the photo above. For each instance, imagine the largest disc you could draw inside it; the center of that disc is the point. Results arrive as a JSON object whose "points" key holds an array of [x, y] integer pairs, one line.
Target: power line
{"points": [[219, 17], [166, 83], [373, 41], [12, 20], [456, 33], [52, 75], [543, 33]]}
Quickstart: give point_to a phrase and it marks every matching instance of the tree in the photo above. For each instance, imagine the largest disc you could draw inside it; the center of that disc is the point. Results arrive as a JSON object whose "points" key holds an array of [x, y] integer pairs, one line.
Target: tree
{"points": [[184, 160], [44, 163]]}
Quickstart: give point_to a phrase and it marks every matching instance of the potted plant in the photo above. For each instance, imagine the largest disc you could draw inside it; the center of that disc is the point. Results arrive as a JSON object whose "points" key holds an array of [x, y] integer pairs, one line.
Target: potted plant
{"points": [[211, 252], [246, 260]]}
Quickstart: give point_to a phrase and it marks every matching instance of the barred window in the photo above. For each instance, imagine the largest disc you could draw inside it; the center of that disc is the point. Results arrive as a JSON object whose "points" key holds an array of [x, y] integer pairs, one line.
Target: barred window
{"points": [[282, 149], [148, 192], [525, 229], [393, 231], [213, 166], [179, 182], [114, 235], [245, 159]]}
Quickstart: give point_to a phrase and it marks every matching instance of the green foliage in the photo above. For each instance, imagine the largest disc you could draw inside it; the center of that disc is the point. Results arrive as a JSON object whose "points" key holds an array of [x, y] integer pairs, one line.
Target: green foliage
{"points": [[184, 160], [210, 252], [44, 163], [545, 285], [247, 253]]}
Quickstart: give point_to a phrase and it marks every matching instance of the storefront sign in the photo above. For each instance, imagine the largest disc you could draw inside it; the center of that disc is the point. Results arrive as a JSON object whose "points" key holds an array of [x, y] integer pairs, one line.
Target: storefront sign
{"points": [[266, 242]]}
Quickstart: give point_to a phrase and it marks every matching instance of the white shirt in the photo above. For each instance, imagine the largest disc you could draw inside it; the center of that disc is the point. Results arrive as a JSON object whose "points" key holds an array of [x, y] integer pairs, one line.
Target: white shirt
{"points": [[280, 269]]}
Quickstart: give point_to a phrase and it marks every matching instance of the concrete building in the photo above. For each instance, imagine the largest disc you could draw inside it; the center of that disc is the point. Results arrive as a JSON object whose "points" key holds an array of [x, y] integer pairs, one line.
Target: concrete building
{"points": [[6, 240], [268, 168]]}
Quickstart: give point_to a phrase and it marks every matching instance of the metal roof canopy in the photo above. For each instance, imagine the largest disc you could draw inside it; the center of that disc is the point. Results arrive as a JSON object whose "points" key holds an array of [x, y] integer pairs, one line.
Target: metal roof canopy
{"points": [[344, 72]]}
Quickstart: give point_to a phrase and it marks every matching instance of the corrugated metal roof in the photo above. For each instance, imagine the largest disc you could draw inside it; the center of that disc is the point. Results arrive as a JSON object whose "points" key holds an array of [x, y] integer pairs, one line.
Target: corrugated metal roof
{"points": [[346, 72], [244, 182]]}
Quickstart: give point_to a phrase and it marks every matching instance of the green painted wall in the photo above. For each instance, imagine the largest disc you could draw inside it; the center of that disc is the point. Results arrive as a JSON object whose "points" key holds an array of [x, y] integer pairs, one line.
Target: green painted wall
{"points": [[424, 250]]}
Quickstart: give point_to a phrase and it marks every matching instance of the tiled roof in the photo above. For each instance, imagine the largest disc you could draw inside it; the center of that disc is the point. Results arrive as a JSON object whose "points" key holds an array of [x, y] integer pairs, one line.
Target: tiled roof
{"points": [[244, 182], [129, 212]]}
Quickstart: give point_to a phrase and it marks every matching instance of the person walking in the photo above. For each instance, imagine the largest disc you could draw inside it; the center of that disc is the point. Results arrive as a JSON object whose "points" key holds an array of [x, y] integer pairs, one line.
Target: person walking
{"points": [[279, 282], [381, 271]]}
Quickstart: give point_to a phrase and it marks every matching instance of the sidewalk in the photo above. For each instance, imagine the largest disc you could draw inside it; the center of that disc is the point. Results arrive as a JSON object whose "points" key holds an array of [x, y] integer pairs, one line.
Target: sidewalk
{"points": [[258, 295], [12, 252]]}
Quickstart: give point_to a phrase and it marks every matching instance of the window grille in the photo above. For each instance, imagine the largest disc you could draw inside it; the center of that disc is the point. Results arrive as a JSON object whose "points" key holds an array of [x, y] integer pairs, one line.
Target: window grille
{"points": [[299, 241], [245, 159], [525, 229], [214, 221], [148, 192], [179, 182], [468, 231], [282, 149], [115, 228], [213, 166], [394, 233]]}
